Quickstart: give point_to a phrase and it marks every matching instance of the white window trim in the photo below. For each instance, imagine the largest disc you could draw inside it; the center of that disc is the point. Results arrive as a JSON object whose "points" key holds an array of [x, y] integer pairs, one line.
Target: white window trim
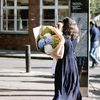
{"points": [[56, 7], [15, 7]]}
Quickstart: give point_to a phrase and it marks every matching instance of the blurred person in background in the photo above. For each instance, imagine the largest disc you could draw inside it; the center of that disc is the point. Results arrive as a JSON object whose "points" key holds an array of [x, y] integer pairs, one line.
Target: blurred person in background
{"points": [[94, 38]]}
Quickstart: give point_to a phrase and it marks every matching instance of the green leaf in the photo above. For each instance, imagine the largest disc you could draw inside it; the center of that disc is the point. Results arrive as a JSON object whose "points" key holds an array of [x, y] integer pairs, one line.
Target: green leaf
{"points": [[41, 37], [46, 30]]}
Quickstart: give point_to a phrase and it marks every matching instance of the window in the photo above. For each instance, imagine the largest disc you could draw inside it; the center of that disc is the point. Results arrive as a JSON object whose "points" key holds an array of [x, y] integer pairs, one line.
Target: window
{"points": [[14, 16], [53, 11], [63, 2], [49, 2], [48, 18]]}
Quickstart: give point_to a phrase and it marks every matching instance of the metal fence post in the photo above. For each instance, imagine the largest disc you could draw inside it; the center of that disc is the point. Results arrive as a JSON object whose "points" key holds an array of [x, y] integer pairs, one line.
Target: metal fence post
{"points": [[28, 58]]}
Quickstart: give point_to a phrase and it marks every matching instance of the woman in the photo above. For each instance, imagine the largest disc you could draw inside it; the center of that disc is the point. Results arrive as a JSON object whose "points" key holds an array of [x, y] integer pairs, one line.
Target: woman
{"points": [[66, 74]]}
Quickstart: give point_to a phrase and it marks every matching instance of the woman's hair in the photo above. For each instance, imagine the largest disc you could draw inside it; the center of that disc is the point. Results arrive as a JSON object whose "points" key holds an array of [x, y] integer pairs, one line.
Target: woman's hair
{"points": [[92, 23], [70, 28]]}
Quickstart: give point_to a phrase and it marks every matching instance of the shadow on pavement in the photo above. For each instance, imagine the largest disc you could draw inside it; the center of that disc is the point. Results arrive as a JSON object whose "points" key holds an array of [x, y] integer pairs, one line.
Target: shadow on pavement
{"points": [[38, 67], [43, 76], [95, 76], [44, 82], [94, 81], [23, 92], [28, 95], [14, 76], [95, 92], [38, 90]]}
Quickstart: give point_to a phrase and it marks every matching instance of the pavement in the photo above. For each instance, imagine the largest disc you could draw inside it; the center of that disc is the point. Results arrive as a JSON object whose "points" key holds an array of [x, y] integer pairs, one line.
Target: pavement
{"points": [[16, 84], [21, 54]]}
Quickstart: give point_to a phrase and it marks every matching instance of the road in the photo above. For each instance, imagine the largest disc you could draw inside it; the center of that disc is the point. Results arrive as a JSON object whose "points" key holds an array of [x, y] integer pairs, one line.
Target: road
{"points": [[16, 84], [19, 64]]}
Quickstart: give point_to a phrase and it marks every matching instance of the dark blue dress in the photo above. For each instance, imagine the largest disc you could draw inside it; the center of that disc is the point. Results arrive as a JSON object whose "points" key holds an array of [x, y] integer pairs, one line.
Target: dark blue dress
{"points": [[66, 75]]}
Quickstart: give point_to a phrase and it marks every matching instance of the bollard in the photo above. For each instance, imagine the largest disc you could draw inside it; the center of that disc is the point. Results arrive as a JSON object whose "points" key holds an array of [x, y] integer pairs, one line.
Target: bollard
{"points": [[28, 58]]}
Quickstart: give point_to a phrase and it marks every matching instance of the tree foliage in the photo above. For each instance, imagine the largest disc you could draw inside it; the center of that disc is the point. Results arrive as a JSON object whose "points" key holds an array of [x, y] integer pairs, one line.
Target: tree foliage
{"points": [[95, 7]]}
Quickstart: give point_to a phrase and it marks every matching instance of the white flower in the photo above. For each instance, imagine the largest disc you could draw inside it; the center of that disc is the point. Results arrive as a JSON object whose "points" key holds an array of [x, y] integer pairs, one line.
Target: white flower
{"points": [[48, 49], [47, 34]]}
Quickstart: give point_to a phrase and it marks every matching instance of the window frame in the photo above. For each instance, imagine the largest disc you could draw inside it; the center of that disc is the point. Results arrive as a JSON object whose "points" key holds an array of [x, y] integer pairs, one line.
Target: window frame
{"points": [[15, 8], [55, 7]]}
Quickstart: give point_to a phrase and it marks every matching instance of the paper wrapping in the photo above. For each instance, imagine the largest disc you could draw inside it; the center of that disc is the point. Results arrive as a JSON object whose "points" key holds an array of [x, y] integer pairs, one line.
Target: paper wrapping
{"points": [[58, 51]]}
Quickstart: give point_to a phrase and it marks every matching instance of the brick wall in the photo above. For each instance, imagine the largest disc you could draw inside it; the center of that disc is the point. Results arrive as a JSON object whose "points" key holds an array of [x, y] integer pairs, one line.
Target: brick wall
{"points": [[34, 13], [18, 42]]}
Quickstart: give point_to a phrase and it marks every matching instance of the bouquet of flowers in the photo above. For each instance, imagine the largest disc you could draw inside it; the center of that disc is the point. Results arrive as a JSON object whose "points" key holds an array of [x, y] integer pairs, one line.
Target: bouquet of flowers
{"points": [[50, 41]]}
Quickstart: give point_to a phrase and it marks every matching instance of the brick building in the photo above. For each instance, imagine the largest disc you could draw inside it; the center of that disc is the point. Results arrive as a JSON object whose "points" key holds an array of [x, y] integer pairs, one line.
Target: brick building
{"points": [[19, 17]]}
